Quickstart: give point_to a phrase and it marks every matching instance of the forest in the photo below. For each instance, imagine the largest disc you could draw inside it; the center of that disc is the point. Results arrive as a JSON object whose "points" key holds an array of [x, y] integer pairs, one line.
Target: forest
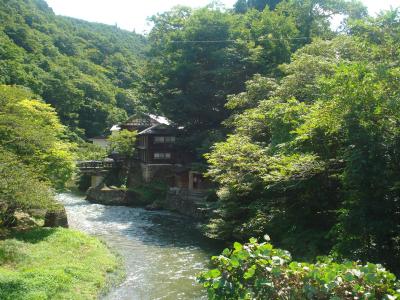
{"points": [[295, 121], [299, 123], [86, 71]]}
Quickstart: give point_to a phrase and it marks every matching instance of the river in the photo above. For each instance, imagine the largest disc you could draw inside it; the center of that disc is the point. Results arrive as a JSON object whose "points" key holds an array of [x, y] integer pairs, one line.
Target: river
{"points": [[162, 251]]}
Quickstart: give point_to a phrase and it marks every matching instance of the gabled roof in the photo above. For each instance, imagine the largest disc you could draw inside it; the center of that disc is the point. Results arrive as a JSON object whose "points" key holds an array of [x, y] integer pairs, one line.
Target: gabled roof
{"points": [[154, 119], [115, 128], [158, 129], [160, 119], [144, 122]]}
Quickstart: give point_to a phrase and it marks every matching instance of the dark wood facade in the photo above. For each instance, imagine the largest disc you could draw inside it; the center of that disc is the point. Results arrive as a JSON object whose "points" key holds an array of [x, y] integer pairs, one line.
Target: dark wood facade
{"points": [[157, 145], [156, 139]]}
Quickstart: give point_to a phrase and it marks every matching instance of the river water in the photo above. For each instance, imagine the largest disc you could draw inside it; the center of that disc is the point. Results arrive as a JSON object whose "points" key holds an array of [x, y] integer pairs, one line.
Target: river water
{"points": [[162, 251]]}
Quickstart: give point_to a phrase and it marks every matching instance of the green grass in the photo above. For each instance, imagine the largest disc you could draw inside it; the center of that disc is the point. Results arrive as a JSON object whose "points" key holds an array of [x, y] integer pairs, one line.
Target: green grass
{"points": [[54, 264]]}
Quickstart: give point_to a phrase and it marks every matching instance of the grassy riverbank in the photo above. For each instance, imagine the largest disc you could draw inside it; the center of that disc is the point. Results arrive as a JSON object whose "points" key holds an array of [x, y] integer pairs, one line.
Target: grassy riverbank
{"points": [[54, 264]]}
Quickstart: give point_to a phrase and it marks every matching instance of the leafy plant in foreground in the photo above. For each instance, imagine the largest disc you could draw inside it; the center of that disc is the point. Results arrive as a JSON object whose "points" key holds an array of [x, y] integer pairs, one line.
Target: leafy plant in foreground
{"points": [[260, 271]]}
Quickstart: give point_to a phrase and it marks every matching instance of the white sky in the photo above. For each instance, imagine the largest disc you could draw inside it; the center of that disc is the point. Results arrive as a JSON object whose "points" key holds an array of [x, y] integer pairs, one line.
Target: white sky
{"points": [[132, 14]]}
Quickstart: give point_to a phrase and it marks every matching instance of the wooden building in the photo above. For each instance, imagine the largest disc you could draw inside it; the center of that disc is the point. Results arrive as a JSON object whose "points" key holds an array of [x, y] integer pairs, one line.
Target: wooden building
{"points": [[156, 138], [157, 154], [156, 145]]}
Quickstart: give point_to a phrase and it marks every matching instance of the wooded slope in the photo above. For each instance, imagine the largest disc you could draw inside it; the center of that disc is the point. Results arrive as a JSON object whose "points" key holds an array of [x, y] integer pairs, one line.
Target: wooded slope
{"points": [[85, 70]]}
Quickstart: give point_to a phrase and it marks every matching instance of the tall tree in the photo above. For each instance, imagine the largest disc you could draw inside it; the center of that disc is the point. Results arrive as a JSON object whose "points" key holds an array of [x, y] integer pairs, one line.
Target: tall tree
{"points": [[242, 6], [31, 130], [198, 57], [35, 157], [313, 16]]}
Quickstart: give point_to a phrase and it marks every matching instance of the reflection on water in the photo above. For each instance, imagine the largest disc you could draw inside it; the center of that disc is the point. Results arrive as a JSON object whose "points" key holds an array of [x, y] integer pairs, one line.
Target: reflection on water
{"points": [[162, 251]]}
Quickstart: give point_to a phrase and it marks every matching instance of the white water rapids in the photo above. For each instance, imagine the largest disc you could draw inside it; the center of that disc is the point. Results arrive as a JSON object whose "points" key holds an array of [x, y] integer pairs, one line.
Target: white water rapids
{"points": [[162, 251]]}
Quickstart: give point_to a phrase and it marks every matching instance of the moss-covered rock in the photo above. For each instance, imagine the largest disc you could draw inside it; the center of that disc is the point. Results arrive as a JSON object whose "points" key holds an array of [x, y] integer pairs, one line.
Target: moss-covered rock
{"points": [[56, 218]]}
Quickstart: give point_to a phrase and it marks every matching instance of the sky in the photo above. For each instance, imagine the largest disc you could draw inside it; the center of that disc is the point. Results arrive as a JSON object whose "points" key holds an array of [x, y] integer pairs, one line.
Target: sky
{"points": [[132, 14]]}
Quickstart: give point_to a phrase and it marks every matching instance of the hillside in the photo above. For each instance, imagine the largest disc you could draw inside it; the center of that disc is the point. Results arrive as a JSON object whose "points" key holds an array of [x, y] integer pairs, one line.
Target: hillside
{"points": [[85, 70]]}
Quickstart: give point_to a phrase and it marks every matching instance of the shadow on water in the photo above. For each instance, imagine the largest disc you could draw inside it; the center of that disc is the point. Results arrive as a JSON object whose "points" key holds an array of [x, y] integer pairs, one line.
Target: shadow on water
{"points": [[163, 251]]}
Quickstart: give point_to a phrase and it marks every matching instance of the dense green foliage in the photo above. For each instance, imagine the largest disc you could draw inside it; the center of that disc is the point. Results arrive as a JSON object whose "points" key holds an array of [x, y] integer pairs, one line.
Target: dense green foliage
{"points": [[304, 123], [123, 143], [260, 271], [20, 188], [313, 160], [88, 151], [31, 130], [54, 264], [34, 153], [242, 6], [308, 151], [190, 86], [199, 57], [86, 71]]}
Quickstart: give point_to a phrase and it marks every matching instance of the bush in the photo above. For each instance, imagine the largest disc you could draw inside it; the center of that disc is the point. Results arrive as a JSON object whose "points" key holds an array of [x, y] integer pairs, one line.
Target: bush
{"points": [[123, 143], [260, 271], [88, 151], [20, 188]]}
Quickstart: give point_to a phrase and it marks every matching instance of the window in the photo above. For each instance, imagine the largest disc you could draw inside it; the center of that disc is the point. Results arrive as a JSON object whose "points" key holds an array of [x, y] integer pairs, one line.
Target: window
{"points": [[142, 141], [170, 139], [162, 155], [164, 139]]}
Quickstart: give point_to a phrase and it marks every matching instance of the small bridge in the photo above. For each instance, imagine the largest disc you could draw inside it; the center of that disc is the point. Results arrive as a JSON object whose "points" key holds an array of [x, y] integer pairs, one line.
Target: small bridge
{"points": [[95, 166], [96, 169]]}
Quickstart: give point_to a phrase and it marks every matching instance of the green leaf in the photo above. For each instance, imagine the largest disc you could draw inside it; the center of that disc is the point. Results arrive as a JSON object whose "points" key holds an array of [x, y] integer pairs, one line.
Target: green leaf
{"points": [[216, 284], [214, 273], [237, 246], [250, 272], [253, 240], [226, 252], [235, 263]]}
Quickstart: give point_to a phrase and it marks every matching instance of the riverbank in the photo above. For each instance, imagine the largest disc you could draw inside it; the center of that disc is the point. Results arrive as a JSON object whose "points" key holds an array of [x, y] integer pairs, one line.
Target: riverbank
{"points": [[49, 263]]}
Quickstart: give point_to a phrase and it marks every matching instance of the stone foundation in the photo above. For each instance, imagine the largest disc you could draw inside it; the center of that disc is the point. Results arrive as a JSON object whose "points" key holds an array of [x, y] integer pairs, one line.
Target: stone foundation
{"points": [[140, 173], [192, 204], [153, 172], [107, 196], [112, 196]]}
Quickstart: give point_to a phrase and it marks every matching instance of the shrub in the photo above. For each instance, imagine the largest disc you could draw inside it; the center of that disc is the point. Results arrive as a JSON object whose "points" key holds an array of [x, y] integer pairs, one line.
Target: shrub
{"points": [[123, 143], [20, 188], [260, 271]]}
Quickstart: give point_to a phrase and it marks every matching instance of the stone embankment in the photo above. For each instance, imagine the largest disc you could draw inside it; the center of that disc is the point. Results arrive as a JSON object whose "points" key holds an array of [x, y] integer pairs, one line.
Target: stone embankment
{"points": [[108, 196], [183, 201], [189, 203]]}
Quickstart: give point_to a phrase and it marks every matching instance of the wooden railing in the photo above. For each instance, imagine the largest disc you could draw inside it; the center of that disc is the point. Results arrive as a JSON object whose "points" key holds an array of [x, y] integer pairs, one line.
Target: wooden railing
{"points": [[95, 165]]}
